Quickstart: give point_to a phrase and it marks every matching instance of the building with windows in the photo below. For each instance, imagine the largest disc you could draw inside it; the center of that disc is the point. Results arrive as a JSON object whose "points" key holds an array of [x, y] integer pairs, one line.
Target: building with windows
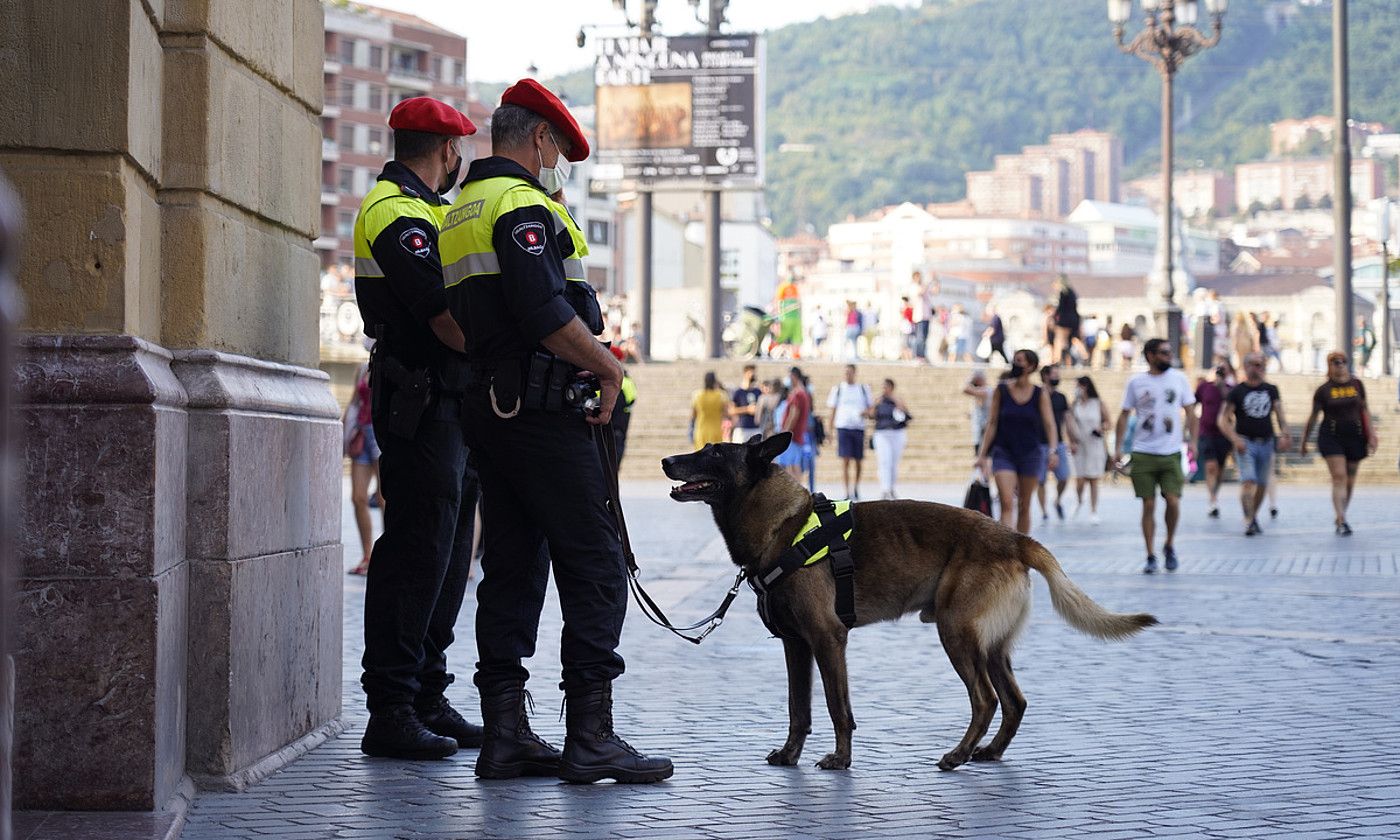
{"points": [[375, 58], [1122, 240], [1049, 181], [1300, 183]]}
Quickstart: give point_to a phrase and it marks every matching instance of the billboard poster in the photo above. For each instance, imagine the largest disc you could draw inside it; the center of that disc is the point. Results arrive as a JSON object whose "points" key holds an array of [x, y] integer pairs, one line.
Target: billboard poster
{"points": [[679, 113]]}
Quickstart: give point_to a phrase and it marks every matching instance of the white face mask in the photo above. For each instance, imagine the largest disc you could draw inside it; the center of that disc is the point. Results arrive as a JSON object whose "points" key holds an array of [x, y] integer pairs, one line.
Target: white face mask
{"points": [[553, 178]]}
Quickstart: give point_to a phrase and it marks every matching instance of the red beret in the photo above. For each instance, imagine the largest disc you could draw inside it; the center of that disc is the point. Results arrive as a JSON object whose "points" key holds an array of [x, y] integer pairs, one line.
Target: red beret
{"points": [[423, 113], [533, 96]]}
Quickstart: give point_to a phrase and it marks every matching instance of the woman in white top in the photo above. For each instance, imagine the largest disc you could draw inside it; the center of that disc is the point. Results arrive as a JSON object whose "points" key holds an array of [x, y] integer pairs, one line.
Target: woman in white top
{"points": [[1090, 454]]}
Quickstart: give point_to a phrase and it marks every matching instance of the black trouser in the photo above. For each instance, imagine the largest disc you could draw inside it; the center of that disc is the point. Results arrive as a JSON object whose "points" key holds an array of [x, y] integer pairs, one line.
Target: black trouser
{"points": [[418, 570], [542, 484]]}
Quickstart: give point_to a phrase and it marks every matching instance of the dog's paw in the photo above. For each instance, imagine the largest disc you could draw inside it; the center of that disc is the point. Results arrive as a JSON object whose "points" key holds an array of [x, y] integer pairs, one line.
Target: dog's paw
{"points": [[785, 757], [832, 761], [986, 754], [951, 760]]}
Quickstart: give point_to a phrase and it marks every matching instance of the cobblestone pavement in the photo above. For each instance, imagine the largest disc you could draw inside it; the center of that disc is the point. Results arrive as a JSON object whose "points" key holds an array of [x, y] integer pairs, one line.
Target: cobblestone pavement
{"points": [[1262, 707]]}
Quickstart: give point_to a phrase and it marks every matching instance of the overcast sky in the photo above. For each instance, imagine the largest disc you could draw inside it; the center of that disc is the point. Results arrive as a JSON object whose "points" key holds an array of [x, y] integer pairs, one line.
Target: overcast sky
{"points": [[505, 36]]}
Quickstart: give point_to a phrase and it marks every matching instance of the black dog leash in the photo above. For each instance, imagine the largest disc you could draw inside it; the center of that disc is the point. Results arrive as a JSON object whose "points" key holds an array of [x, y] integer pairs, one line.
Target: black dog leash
{"points": [[607, 451]]}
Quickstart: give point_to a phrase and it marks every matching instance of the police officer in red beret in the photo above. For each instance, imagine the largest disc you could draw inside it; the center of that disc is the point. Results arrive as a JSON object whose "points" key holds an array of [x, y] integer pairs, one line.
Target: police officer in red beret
{"points": [[418, 569], [512, 261]]}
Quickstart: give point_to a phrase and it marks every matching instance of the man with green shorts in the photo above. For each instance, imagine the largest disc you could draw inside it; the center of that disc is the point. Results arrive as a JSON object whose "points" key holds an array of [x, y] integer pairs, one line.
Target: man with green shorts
{"points": [[1166, 420]]}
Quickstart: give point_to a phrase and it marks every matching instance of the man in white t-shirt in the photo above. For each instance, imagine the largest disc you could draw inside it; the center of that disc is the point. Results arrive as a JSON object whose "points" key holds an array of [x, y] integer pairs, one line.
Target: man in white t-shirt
{"points": [[850, 403], [1164, 403]]}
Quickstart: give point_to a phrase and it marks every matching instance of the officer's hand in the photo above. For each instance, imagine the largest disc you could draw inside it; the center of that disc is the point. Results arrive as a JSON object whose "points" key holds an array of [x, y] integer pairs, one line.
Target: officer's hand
{"points": [[609, 388]]}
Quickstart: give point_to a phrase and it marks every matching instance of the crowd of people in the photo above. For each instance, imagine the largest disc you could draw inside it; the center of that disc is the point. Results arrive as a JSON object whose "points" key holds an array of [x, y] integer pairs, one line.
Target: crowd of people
{"points": [[1032, 442], [928, 326], [1166, 430]]}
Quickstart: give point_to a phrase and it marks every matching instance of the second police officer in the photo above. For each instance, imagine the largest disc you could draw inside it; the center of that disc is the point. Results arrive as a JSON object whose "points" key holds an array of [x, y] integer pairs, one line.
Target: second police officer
{"points": [[418, 570], [512, 264]]}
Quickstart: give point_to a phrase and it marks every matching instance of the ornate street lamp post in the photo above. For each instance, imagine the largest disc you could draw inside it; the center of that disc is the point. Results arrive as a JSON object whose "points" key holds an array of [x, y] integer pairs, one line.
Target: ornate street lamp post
{"points": [[1169, 36]]}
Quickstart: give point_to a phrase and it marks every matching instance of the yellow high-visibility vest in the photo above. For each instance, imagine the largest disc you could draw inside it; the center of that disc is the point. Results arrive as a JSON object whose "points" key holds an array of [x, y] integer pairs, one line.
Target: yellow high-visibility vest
{"points": [[381, 207], [465, 241]]}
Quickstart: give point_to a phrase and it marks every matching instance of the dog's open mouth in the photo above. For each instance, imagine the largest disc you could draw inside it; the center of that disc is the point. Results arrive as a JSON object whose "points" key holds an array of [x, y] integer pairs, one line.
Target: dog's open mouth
{"points": [[694, 489]]}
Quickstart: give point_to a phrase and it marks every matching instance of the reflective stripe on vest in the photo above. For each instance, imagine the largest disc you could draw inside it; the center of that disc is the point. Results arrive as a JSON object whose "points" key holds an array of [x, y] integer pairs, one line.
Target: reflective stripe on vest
{"points": [[389, 203], [466, 240], [813, 523]]}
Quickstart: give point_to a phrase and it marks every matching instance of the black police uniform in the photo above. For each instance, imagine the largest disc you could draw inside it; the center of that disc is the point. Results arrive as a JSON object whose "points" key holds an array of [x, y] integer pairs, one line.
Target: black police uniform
{"points": [[542, 479], [418, 569]]}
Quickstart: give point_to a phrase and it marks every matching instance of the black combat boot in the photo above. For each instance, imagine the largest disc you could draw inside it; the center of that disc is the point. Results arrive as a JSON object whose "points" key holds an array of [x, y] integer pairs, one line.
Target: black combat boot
{"points": [[440, 718], [592, 751], [510, 748], [396, 732]]}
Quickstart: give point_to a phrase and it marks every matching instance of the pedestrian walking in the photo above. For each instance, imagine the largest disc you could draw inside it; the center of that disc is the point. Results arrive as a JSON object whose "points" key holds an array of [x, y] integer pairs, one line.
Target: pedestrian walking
{"points": [[418, 572], [995, 334], [850, 402], [1065, 434], [793, 416], [1090, 452], [1126, 346], [981, 394], [707, 409], [921, 302], [959, 334], [1346, 435], [1066, 320], [743, 406], [851, 347], [1020, 432], [1243, 338], [907, 329], [771, 395], [1212, 447], [1247, 419], [363, 451], [1158, 398], [891, 417], [513, 263], [818, 332], [1365, 343]]}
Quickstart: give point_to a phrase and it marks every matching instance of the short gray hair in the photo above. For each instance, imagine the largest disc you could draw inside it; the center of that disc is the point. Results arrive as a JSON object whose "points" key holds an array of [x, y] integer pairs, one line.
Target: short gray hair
{"points": [[512, 125]]}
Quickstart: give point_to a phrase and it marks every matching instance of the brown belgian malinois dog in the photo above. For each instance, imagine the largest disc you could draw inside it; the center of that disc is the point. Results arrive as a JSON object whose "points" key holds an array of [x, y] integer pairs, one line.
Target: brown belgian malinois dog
{"points": [[955, 567]]}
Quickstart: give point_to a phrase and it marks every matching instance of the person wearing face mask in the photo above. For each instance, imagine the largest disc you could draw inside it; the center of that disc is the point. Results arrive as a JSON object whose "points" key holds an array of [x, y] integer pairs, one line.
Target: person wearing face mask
{"points": [[1160, 397], [419, 566], [513, 266]]}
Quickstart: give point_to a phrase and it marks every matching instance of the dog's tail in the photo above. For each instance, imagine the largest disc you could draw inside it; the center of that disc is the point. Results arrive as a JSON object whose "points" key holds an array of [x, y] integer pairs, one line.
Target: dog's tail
{"points": [[1076, 608]]}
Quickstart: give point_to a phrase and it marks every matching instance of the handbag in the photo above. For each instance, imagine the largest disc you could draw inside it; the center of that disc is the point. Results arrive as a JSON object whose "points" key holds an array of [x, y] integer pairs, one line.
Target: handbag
{"points": [[355, 447], [979, 497], [984, 347]]}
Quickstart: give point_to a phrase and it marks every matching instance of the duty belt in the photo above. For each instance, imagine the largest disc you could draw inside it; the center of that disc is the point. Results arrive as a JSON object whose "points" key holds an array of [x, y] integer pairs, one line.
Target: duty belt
{"points": [[826, 542]]}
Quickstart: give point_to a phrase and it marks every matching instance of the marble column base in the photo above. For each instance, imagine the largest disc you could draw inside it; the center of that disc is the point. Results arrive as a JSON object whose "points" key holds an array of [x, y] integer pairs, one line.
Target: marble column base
{"points": [[180, 595]]}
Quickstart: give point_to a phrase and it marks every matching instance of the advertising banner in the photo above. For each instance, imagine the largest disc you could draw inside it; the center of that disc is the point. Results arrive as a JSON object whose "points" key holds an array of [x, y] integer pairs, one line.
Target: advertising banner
{"points": [[679, 113]]}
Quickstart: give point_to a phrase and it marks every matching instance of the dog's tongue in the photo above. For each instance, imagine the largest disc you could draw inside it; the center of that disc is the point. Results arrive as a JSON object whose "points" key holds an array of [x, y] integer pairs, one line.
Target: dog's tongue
{"points": [[691, 485]]}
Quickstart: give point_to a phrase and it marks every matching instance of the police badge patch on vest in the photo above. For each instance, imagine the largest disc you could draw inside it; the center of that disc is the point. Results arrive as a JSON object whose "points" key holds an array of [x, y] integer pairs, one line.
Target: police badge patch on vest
{"points": [[415, 241], [530, 237]]}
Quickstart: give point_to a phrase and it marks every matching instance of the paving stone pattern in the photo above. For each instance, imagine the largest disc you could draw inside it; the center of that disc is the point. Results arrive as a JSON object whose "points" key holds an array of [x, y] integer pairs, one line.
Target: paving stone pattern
{"points": [[1264, 706]]}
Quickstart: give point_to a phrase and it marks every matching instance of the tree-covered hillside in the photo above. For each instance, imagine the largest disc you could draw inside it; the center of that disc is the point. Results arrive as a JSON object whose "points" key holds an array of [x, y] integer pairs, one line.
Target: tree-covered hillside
{"points": [[897, 104]]}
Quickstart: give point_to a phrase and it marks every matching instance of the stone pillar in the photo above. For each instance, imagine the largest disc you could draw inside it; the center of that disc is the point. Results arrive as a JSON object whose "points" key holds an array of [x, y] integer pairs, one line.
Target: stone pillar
{"points": [[180, 593]]}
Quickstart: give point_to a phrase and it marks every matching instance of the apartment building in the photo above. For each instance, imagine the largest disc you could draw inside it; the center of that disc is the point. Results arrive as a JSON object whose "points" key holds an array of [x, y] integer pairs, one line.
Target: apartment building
{"points": [[374, 59], [1195, 192], [1287, 183], [1048, 181]]}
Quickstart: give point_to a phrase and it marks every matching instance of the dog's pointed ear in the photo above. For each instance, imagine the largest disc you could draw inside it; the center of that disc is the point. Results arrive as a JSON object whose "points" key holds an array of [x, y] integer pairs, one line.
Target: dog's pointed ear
{"points": [[764, 450]]}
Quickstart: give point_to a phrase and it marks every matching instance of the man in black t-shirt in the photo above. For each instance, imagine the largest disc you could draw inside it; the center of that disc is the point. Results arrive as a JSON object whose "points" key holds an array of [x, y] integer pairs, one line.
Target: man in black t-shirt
{"points": [[1247, 419], [1059, 406], [743, 409]]}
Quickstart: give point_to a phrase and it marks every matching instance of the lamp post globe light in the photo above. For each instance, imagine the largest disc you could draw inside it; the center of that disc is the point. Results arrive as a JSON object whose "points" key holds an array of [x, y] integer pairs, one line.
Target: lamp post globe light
{"points": [[1169, 36]]}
